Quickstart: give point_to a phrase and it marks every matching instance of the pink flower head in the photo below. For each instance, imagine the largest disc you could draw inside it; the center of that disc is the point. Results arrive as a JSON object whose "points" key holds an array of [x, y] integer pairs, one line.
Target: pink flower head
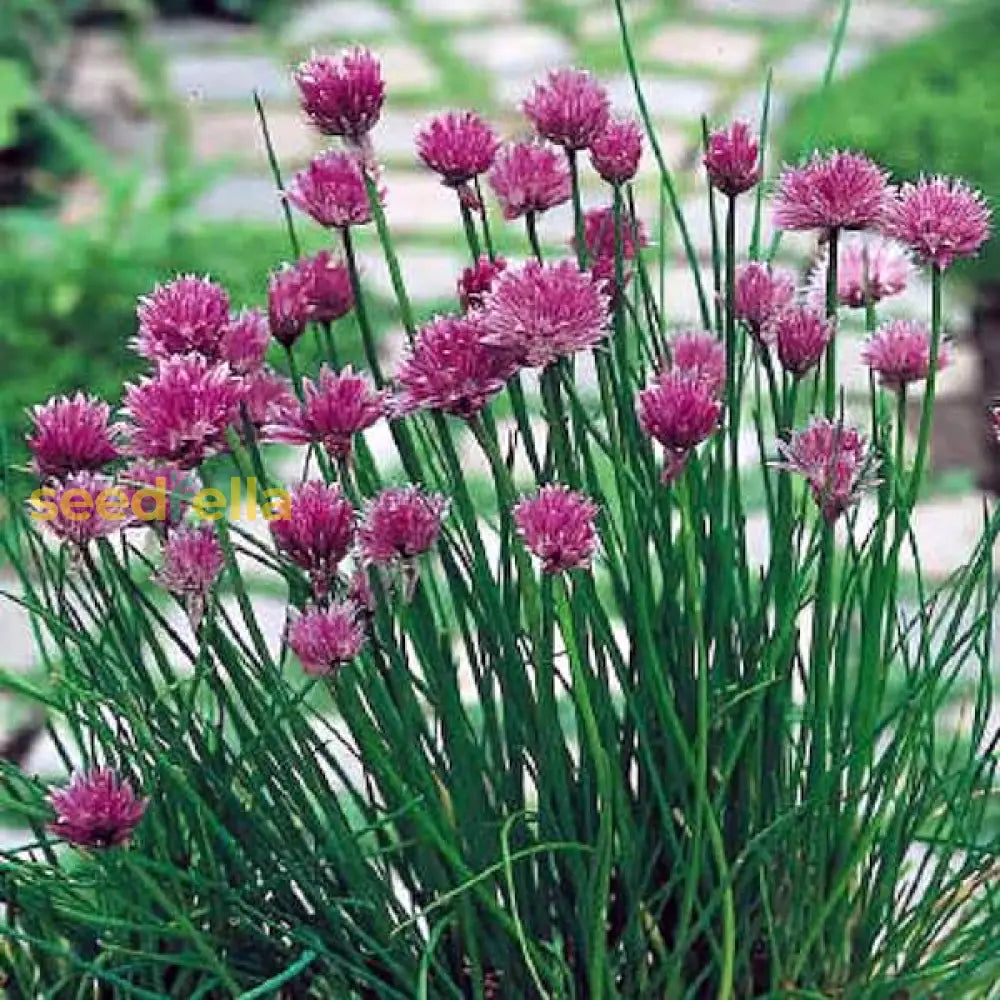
{"points": [[863, 262], [359, 590], [192, 562], [761, 291], [835, 462], [542, 312], [615, 151], [939, 218], [288, 305], [323, 639], [529, 177], [72, 434], [180, 414], [599, 239], [244, 341], [188, 314], [400, 524], [569, 108], [599, 234], [451, 369], [335, 407], [732, 159], [458, 145], [900, 353], [557, 525], [332, 191], [342, 95], [477, 280], [330, 294], [679, 410], [801, 334], [314, 530], [83, 508], [166, 491], [843, 190], [267, 396], [97, 809], [701, 355]]}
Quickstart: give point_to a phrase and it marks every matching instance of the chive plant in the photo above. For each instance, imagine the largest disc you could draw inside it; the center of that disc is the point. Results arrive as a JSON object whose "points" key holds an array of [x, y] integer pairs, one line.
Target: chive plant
{"points": [[556, 734]]}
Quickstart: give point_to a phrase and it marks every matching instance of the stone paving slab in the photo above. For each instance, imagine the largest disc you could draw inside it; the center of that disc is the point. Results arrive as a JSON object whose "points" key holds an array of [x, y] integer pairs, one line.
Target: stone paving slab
{"points": [[228, 77], [234, 134], [348, 20], [506, 49], [406, 69], [419, 202], [430, 274], [241, 198], [699, 46], [805, 64], [463, 11], [889, 22], [777, 10], [669, 97]]}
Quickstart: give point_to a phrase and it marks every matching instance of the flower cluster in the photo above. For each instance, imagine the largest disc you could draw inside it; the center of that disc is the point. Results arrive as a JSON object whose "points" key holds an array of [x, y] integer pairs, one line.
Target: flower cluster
{"points": [[542, 312], [334, 408], [451, 368], [97, 809], [835, 462], [557, 525]]}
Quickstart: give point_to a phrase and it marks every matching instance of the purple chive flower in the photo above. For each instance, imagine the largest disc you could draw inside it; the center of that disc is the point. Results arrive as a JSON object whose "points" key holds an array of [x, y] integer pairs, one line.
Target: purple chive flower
{"points": [[267, 396], [939, 218], [679, 410], [342, 95], [180, 414], [458, 145], [761, 292], [899, 352], [315, 529], [332, 191], [616, 151], [599, 240], [96, 809], [542, 312], [243, 345], [451, 369], [330, 294], [700, 355], [881, 266], [732, 159], [529, 177], [288, 306], [359, 590], [800, 334], [835, 462], [336, 406], [324, 639], [192, 562], [569, 108], [88, 506], [400, 524], [477, 280], [188, 314], [72, 434], [842, 190], [557, 525], [167, 490]]}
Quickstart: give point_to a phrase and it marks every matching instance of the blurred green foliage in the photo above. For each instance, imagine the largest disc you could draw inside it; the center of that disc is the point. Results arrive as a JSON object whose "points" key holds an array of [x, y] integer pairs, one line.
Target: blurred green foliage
{"points": [[928, 106]]}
